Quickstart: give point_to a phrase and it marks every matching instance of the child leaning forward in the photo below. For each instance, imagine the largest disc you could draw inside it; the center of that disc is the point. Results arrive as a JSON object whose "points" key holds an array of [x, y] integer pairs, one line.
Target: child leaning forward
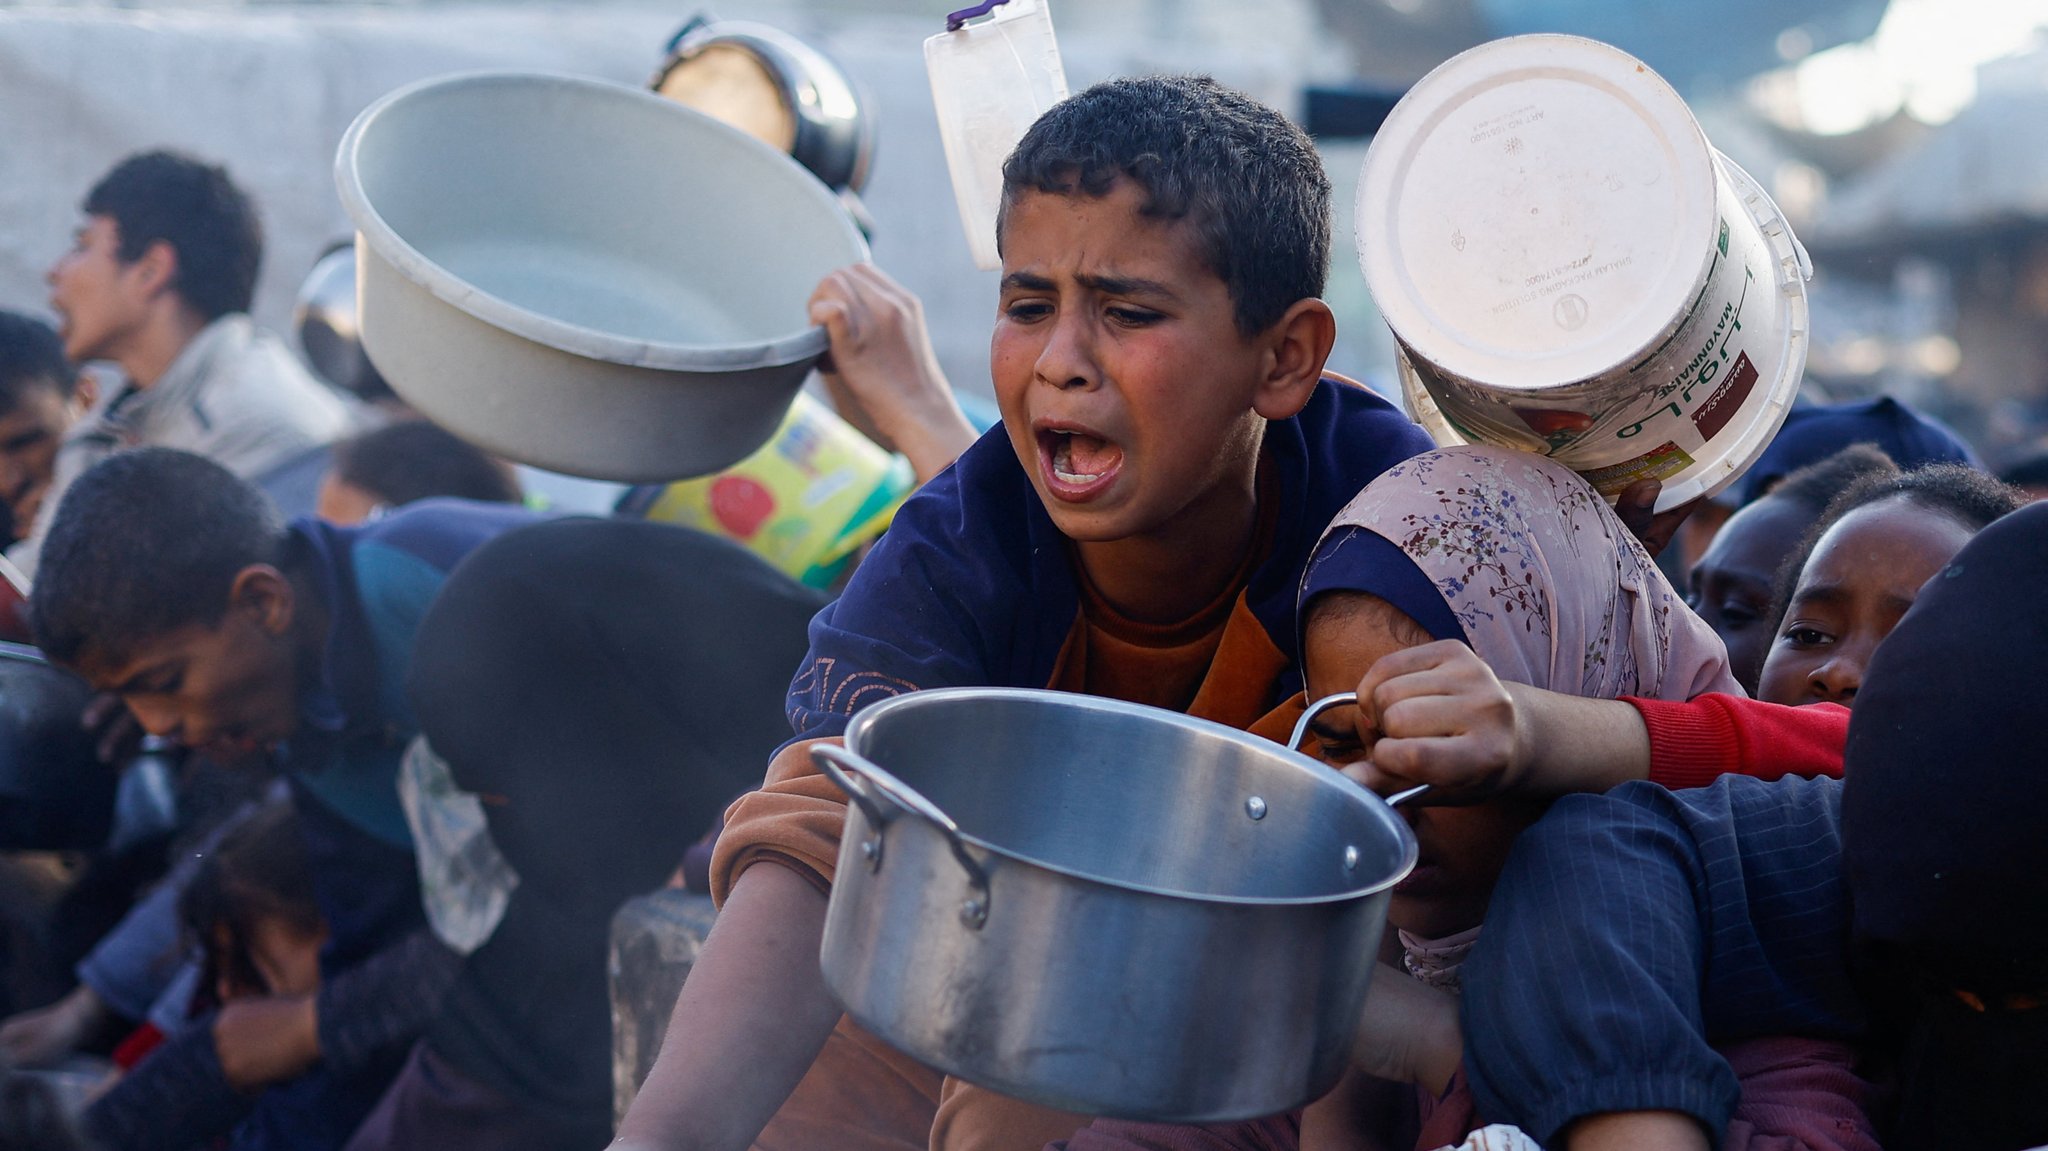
{"points": [[1169, 453]]}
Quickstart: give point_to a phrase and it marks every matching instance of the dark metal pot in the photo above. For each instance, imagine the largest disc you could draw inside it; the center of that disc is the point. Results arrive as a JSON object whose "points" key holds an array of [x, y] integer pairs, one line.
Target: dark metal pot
{"points": [[819, 114], [1104, 907]]}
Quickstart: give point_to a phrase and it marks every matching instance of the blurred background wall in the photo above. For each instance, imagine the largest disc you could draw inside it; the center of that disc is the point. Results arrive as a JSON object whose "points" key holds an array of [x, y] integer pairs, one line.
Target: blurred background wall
{"points": [[1904, 138]]}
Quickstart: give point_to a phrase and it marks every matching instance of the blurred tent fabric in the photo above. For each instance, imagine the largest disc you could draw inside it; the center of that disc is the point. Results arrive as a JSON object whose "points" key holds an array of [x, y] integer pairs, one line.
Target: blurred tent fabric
{"points": [[1972, 174], [1689, 42]]}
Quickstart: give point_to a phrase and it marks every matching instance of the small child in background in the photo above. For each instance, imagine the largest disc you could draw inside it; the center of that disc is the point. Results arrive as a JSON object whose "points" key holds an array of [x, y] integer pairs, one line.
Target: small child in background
{"points": [[252, 912], [410, 460], [1733, 585], [1861, 566]]}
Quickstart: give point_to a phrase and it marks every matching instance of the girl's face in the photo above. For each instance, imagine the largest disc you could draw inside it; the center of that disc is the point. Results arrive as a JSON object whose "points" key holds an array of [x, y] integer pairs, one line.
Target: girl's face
{"points": [[283, 957], [286, 955], [1862, 576], [1462, 848]]}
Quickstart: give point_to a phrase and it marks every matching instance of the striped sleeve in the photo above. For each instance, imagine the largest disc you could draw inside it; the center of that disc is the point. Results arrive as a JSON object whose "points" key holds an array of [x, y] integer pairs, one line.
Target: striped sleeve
{"points": [[1631, 931]]}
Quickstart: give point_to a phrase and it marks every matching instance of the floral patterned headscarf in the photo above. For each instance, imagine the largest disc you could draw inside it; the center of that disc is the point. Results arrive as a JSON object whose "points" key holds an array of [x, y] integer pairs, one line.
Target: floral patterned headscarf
{"points": [[1548, 586]]}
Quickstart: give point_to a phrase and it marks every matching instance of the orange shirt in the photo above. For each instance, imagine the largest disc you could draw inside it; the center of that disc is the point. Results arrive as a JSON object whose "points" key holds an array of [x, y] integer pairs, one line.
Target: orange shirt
{"points": [[1164, 665]]}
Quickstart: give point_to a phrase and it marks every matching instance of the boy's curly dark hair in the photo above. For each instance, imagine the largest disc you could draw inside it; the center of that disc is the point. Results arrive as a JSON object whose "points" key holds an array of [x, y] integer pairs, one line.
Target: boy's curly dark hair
{"points": [[1816, 485], [1248, 182], [195, 208]]}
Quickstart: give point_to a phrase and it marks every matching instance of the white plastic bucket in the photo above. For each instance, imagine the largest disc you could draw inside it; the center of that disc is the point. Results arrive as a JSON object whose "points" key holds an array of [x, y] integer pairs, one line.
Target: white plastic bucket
{"points": [[1569, 268]]}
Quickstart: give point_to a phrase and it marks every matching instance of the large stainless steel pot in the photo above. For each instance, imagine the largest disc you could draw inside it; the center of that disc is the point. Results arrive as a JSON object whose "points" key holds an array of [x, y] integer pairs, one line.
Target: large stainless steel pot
{"points": [[1105, 907]]}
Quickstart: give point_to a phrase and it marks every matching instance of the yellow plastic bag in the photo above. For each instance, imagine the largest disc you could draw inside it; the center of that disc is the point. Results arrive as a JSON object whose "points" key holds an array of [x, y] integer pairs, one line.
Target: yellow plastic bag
{"points": [[805, 502]]}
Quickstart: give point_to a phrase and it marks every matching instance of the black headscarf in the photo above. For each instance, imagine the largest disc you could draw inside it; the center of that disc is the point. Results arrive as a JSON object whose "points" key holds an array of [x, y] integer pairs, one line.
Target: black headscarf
{"points": [[610, 686], [1945, 843]]}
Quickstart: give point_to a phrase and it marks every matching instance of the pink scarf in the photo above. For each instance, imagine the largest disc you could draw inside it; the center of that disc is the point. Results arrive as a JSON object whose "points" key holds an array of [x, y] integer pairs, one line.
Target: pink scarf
{"points": [[1550, 589]]}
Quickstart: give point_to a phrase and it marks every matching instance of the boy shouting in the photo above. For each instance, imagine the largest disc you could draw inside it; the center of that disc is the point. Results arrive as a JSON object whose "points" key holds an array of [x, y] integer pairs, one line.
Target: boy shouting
{"points": [[1169, 453]]}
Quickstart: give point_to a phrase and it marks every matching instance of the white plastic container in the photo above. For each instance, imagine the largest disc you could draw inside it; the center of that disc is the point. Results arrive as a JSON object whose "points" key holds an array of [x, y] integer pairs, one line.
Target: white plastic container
{"points": [[991, 80], [1569, 268], [583, 276]]}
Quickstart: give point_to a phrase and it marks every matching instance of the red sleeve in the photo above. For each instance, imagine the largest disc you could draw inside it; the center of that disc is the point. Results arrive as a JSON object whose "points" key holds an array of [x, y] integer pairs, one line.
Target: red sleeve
{"points": [[1693, 742], [139, 1044]]}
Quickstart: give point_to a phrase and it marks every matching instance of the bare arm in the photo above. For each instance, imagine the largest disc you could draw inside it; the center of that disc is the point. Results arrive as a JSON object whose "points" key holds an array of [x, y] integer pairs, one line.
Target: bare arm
{"points": [[1408, 1032], [882, 373], [1636, 1131], [1571, 743], [752, 1016], [1444, 719]]}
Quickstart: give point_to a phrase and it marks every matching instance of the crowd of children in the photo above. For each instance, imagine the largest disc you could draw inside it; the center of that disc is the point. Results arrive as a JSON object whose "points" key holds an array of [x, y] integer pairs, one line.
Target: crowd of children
{"points": [[1754, 867]]}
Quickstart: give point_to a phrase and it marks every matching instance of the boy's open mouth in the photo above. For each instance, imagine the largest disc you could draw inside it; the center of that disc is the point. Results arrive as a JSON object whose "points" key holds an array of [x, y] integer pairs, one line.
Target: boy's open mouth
{"points": [[1078, 464]]}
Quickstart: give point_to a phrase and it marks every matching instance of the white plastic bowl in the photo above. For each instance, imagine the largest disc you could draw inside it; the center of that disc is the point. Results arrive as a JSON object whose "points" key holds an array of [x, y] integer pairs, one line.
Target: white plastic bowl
{"points": [[583, 276]]}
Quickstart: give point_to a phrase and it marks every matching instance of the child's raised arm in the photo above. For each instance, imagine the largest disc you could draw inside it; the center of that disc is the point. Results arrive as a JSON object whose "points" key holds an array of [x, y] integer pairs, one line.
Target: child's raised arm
{"points": [[881, 371], [751, 1018], [1441, 717]]}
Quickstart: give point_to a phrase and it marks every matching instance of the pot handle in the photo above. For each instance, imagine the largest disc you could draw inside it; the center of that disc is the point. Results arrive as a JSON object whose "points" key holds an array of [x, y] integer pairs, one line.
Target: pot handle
{"points": [[1341, 699], [840, 766], [843, 766]]}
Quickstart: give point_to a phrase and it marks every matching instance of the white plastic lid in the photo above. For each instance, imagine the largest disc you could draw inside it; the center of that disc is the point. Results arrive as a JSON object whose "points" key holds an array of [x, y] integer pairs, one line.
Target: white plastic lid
{"points": [[1536, 211]]}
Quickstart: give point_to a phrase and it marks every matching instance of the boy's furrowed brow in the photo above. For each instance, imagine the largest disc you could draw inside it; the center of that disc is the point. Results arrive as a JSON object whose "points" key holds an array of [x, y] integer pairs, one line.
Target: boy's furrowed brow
{"points": [[1126, 286], [1025, 281], [1821, 593], [1105, 285]]}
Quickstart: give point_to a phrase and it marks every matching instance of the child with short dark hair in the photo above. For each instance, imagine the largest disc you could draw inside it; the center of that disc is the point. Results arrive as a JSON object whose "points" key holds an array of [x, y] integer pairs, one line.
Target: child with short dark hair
{"points": [[193, 208], [405, 461], [1859, 568], [1732, 585], [1169, 453], [40, 398], [171, 583]]}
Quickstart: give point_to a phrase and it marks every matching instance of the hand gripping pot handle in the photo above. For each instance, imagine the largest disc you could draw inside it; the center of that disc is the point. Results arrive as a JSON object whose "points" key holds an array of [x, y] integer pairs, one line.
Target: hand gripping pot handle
{"points": [[864, 783], [1322, 705]]}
